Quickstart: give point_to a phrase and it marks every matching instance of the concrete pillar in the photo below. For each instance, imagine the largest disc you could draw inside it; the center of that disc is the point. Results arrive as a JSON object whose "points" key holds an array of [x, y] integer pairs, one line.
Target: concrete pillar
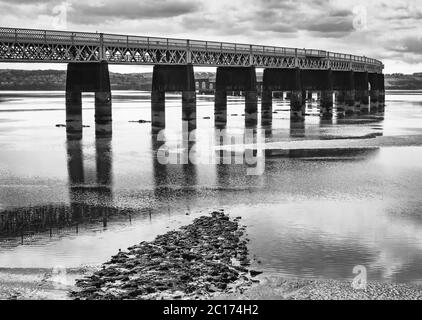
{"points": [[375, 91], [74, 113], [189, 109], [326, 104], [158, 110], [327, 99], [297, 112], [251, 108], [381, 98], [364, 102], [340, 103], [297, 105], [281, 80], [103, 125], [361, 92], [179, 78], [220, 108], [239, 79], [344, 86], [88, 77], [358, 98], [349, 102], [266, 107], [374, 94]]}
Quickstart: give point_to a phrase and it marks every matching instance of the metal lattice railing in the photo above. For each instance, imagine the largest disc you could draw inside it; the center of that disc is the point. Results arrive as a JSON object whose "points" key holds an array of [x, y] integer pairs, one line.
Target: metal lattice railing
{"points": [[30, 45]]}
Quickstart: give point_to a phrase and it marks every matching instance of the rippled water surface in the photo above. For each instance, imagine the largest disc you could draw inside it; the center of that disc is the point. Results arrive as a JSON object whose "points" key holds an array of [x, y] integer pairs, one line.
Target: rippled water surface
{"points": [[334, 194]]}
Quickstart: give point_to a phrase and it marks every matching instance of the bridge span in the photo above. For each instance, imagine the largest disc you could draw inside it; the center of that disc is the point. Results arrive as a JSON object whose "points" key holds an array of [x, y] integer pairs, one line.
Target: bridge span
{"points": [[357, 82]]}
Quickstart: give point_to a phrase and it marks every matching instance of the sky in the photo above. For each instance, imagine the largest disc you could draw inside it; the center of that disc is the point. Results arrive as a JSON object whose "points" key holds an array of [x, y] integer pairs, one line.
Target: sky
{"points": [[389, 30]]}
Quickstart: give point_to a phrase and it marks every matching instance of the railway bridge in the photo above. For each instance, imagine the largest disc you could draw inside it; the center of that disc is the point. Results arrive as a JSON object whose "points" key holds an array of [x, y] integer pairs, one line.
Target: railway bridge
{"points": [[356, 82]]}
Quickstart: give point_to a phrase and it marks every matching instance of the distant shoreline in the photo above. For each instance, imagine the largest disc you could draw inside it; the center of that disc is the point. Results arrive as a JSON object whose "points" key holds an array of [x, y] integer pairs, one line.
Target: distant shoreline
{"points": [[48, 80]]}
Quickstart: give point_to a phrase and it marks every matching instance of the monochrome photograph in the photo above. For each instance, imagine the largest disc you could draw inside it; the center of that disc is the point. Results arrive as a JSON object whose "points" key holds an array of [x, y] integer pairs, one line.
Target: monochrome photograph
{"points": [[191, 150]]}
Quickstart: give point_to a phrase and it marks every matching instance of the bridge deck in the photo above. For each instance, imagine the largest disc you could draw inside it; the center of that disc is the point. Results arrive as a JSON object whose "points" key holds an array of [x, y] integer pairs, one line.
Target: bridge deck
{"points": [[31, 45]]}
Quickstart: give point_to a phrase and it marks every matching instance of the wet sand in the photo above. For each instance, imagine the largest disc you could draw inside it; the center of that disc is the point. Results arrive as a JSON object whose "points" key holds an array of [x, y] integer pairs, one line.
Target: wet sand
{"points": [[278, 288]]}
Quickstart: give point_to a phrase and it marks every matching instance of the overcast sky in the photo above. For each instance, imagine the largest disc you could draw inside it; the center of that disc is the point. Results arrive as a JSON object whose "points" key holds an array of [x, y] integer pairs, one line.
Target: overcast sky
{"points": [[389, 30]]}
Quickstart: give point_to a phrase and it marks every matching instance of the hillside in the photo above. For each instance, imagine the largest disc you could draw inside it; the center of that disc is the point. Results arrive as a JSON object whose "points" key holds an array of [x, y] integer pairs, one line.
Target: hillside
{"points": [[56, 79]]}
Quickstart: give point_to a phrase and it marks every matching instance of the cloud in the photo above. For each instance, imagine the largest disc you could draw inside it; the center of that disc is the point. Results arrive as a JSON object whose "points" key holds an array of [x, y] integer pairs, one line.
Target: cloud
{"points": [[379, 28], [131, 9]]}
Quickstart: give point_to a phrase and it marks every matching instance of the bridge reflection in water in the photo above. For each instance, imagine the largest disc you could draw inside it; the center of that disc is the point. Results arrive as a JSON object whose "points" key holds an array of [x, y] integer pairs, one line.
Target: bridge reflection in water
{"points": [[91, 198]]}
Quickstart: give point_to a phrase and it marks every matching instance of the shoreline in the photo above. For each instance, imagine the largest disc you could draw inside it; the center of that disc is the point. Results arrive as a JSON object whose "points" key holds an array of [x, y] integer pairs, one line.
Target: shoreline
{"points": [[39, 284], [205, 260]]}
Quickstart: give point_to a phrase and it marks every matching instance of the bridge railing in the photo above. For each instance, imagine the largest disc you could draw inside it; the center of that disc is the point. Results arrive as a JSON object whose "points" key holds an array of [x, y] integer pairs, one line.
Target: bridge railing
{"points": [[17, 35]]}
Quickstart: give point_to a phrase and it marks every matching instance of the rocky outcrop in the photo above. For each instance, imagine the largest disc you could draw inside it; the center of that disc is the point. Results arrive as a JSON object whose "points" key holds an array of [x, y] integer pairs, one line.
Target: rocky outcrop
{"points": [[205, 258]]}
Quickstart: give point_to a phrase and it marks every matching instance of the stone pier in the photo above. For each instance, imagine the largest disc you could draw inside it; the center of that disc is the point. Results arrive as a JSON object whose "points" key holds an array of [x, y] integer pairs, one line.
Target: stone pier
{"points": [[266, 107], [361, 92], [344, 86], [321, 81], [374, 92], [381, 98], [88, 77], [287, 80], [236, 79], [158, 114], [220, 108], [173, 78]]}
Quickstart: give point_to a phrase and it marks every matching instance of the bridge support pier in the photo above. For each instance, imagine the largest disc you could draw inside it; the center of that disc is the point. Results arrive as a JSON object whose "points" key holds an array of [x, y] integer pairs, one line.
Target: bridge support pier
{"points": [[266, 107], [287, 80], [251, 108], [179, 78], [158, 112], [381, 98], [374, 92], [220, 108], [327, 93], [340, 103], [189, 109], [88, 77], [103, 118], [361, 92], [297, 110], [344, 85], [349, 106], [327, 102], [236, 79], [320, 81], [74, 114]]}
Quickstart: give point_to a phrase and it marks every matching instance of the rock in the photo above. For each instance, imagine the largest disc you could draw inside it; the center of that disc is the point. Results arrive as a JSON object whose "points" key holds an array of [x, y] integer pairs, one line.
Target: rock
{"points": [[198, 259], [254, 273], [140, 121]]}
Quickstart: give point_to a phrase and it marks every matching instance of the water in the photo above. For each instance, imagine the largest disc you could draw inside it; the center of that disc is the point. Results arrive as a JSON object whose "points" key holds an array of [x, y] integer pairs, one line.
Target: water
{"points": [[334, 194]]}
